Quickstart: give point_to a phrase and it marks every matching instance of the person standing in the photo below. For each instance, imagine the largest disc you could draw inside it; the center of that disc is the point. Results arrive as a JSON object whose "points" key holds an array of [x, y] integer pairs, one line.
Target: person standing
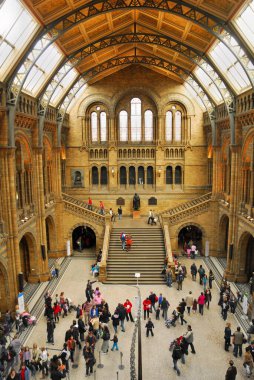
{"points": [[86, 309], [44, 362], [89, 359], [238, 342], [90, 204], [149, 328], [189, 339], [102, 209], [122, 315], [169, 276], [248, 361], [105, 338], [81, 328], [211, 279], [120, 212], [146, 307], [57, 268], [227, 336], [50, 330], [153, 298], [194, 271], [201, 302], [208, 297], [231, 371], [13, 375], [164, 307], [115, 321], [71, 344], [123, 240], [128, 306], [189, 302], [179, 280]]}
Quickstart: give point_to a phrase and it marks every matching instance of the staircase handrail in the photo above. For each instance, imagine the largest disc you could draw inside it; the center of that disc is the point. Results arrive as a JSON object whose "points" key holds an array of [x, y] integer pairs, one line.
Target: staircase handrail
{"points": [[82, 204], [84, 212], [105, 248], [167, 242], [187, 210], [187, 205]]}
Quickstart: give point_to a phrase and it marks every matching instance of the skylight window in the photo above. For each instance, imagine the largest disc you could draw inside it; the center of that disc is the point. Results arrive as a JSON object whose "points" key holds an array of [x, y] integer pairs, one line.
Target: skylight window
{"points": [[62, 86], [209, 85], [245, 24], [195, 96], [230, 66], [42, 69], [17, 27]]}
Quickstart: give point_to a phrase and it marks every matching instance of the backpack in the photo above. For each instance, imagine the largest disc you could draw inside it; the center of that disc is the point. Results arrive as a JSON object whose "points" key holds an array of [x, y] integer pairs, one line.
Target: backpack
{"points": [[180, 277], [106, 336], [177, 352]]}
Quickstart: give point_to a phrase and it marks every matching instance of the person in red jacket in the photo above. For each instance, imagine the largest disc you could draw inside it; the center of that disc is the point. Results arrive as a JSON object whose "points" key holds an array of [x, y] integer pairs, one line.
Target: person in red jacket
{"points": [[128, 306], [57, 310], [90, 204], [147, 304], [201, 302]]}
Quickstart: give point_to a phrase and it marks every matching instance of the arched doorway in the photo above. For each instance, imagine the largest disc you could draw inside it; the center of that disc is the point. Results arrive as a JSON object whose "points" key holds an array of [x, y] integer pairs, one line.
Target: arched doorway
{"points": [[83, 238], [50, 234], [188, 235], [224, 223], [247, 253], [27, 255]]}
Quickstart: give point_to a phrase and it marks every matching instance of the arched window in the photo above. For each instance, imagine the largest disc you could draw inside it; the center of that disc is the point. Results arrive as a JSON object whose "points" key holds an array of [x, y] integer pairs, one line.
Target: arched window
{"points": [[149, 180], [169, 175], [103, 125], [104, 176], [178, 126], [148, 125], [95, 175], [94, 126], [135, 119], [178, 175], [169, 127], [123, 176], [123, 126], [132, 175], [141, 175]]}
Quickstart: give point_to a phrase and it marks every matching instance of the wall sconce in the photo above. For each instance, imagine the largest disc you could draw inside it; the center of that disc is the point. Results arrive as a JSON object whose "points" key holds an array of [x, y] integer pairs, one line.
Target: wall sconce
{"points": [[159, 172], [113, 172]]}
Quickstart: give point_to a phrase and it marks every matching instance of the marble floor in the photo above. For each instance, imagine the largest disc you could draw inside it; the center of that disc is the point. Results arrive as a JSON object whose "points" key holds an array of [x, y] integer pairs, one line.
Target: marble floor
{"points": [[210, 361]]}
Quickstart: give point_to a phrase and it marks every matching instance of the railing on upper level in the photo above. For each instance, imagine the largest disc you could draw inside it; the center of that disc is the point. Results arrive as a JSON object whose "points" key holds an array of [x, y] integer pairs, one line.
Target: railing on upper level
{"points": [[80, 208], [187, 205]]}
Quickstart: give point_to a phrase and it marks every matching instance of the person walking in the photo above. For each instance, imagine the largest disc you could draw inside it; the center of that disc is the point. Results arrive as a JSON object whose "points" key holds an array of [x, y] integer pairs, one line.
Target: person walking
{"points": [[149, 328], [201, 272], [231, 371], [201, 302], [164, 307], [238, 338], [122, 315], [153, 298], [176, 355], [50, 330], [128, 306], [71, 344], [194, 271], [248, 362], [179, 280], [115, 343], [146, 307], [189, 302], [57, 268], [102, 208], [227, 336], [90, 204], [208, 297], [123, 240], [189, 339], [205, 280], [115, 321]]}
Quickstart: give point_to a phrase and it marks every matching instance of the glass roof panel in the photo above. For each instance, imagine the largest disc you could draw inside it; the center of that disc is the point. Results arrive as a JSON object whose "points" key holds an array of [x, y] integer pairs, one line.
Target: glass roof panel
{"points": [[230, 66], [195, 96], [80, 92], [63, 85], [245, 24], [17, 27], [208, 84], [42, 69]]}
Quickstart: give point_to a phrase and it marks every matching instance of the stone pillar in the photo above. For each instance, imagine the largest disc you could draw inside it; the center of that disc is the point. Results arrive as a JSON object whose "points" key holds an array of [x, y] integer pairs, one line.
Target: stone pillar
{"points": [[216, 186]]}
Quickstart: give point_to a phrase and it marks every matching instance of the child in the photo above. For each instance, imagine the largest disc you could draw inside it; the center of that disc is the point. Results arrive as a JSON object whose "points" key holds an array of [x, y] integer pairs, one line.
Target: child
{"points": [[158, 310], [149, 327], [194, 306], [115, 344], [160, 299]]}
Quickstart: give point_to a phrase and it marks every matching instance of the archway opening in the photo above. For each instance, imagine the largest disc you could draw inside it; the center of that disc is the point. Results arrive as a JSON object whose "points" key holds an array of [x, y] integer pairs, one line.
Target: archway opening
{"points": [[247, 249], [224, 236], [188, 236], [83, 238], [25, 254]]}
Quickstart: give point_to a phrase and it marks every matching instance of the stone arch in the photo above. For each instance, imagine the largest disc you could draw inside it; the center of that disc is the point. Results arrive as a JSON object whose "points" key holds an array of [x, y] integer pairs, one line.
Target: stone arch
{"points": [[83, 224], [86, 103], [200, 245], [223, 241], [28, 255], [50, 234], [136, 91], [245, 251], [178, 98]]}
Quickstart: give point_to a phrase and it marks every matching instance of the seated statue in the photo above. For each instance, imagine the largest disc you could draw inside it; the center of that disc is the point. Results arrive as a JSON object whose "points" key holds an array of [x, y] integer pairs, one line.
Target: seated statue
{"points": [[136, 202]]}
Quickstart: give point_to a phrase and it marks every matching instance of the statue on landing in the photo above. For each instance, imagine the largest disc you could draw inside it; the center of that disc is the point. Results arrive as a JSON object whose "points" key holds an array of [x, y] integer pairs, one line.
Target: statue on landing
{"points": [[136, 202]]}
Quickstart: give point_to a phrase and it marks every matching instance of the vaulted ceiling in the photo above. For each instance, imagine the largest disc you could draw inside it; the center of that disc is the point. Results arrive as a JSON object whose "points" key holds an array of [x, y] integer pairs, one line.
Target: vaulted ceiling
{"points": [[145, 22]]}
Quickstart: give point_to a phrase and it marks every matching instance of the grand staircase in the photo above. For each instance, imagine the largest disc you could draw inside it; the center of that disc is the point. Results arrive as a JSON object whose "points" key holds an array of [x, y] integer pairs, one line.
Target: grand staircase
{"points": [[146, 256]]}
